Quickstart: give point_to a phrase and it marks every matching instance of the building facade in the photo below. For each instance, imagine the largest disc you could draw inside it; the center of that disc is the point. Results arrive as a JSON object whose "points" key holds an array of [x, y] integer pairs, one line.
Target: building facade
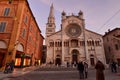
{"points": [[73, 42], [112, 45], [20, 37]]}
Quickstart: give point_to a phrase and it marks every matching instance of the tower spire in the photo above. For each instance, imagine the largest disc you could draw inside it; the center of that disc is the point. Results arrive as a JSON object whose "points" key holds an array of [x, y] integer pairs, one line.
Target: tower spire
{"points": [[50, 27], [51, 11]]}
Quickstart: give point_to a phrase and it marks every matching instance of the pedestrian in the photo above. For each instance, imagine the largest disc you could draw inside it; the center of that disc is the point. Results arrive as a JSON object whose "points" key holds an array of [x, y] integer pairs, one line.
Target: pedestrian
{"points": [[100, 70], [114, 67], [68, 64], [7, 68], [12, 64], [85, 69], [80, 68]]}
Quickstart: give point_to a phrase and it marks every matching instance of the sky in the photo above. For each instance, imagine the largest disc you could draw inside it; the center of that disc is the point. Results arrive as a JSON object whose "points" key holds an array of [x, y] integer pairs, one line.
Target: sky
{"points": [[99, 15]]}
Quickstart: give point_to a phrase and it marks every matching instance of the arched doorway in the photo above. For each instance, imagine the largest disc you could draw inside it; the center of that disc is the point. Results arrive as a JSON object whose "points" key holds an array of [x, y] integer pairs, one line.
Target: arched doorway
{"points": [[75, 56], [58, 60], [19, 58], [92, 61]]}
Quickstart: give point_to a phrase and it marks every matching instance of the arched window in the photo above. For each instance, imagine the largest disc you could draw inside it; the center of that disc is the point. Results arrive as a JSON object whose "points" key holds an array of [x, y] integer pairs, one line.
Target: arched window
{"points": [[3, 44], [51, 43], [82, 42], [58, 43], [20, 47], [55, 44], [74, 43], [97, 42], [23, 33], [66, 43], [90, 42], [2, 26]]}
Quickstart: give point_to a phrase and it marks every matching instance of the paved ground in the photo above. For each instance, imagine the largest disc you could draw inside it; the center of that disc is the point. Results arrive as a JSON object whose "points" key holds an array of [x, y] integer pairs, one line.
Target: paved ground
{"points": [[17, 72], [60, 74]]}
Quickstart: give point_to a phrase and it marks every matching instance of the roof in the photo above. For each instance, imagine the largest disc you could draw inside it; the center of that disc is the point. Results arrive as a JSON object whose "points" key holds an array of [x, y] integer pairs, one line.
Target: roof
{"points": [[110, 31], [32, 15], [54, 33], [93, 32]]}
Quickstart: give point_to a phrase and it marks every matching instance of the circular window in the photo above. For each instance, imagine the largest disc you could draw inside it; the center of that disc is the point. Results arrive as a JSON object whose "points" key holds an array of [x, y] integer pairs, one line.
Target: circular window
{"points": [[73, 30]]}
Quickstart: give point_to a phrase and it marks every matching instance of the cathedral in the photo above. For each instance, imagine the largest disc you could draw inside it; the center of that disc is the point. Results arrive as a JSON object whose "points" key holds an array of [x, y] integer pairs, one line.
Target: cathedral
{"points": [[73, 42]]}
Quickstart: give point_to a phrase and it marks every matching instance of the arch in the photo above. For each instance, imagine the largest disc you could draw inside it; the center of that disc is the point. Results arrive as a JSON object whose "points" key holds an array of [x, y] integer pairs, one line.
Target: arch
{"points": [[20, 47], [66, 43], [98, 39], [74, 43], [98, 42], [90, 42], [75, 56], [3, 44], [57, 56], [92, 60], [82, 42], [58, 43], [58, 60], [51, 43]]}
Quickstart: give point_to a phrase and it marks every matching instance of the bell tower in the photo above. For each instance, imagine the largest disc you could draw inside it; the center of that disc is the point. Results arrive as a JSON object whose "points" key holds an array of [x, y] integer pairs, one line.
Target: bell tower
{"points": [[50, 26]]}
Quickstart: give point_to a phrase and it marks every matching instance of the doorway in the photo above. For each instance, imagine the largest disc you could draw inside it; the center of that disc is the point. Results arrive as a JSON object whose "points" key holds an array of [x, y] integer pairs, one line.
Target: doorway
{"points": [[1, 59], [92, 61], [58, 60], [75, 56]]}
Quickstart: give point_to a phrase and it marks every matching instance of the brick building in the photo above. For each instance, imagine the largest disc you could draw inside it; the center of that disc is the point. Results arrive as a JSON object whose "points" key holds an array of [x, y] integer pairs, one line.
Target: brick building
{"points": [[112, 45], [20, 37]]}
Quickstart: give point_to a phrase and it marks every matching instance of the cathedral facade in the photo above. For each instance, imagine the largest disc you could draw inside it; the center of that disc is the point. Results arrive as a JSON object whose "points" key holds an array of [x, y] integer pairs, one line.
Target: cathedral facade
{"points": [[73, 43]]}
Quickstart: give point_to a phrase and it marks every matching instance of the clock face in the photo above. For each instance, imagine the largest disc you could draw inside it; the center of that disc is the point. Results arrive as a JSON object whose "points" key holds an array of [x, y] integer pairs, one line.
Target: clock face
{"points": [[73, 30]]}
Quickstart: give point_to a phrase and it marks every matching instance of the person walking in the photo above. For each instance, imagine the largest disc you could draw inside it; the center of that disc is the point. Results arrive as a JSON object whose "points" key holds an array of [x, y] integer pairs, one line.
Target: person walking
{"points": [[7, 68], [85, 69], [80, 68], [114, 67], [12, 64], [100, 70]]}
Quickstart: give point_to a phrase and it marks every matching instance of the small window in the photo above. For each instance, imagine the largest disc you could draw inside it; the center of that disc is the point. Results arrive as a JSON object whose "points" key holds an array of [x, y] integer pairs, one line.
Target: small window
{"points": [[2, 26], [50, 25], [49, 30], [116, 47], [26, 19], [30, 28], [23, 33], [109, 49], [6, 12]]}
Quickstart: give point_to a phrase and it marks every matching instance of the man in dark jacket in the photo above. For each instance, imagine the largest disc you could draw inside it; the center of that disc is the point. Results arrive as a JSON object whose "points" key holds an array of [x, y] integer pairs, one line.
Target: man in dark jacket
{"points": [[81, 70]]}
